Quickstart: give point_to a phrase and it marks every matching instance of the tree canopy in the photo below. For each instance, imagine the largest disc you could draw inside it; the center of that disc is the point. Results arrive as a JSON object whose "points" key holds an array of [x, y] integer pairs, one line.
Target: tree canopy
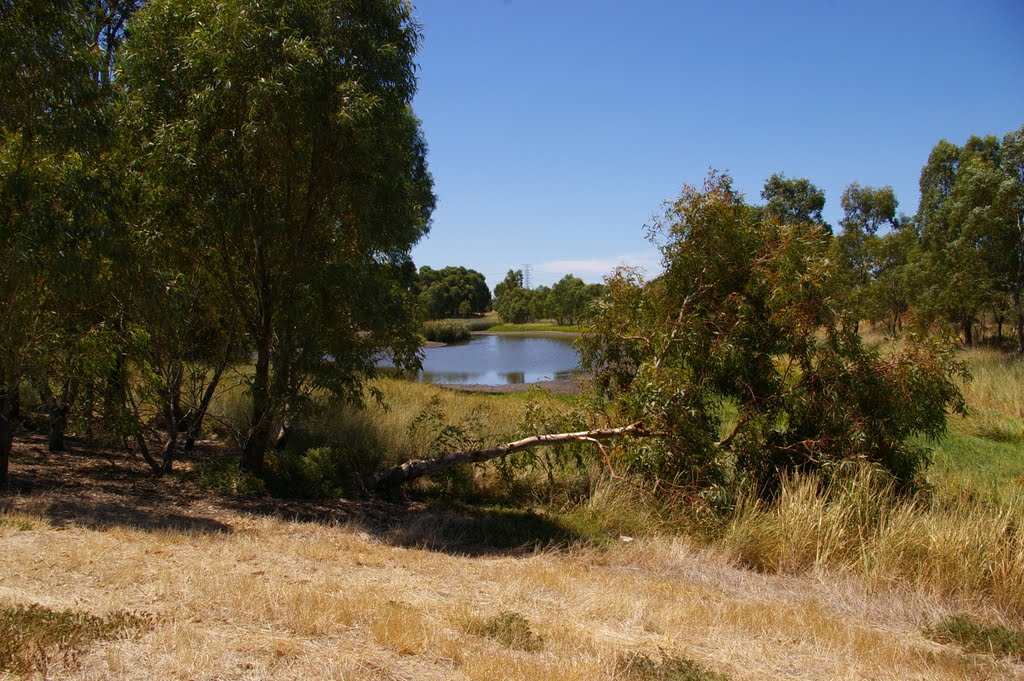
{"points": [[451, 292]]}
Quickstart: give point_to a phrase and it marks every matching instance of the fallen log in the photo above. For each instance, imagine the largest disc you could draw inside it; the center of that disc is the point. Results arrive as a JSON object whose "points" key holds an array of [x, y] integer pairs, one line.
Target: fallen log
{"points": [[415, 468]]}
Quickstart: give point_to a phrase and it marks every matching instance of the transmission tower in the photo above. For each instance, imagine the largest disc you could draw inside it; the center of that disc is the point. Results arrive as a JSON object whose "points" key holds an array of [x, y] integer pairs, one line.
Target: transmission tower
{"points": [[527, 271]]}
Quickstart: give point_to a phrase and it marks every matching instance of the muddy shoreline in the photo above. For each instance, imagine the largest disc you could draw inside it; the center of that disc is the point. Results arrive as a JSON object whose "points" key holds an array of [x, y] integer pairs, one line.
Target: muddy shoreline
{"points": [[567, 386]]}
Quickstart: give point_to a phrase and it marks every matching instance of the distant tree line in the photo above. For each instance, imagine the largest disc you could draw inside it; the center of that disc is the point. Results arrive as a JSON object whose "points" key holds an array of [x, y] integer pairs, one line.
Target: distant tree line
{"points": [[959, 262], [567, 302]]}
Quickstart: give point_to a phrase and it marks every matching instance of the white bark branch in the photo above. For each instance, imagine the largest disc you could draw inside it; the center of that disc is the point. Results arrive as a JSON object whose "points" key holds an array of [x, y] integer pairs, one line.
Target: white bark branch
{"points": [[415, 468]]}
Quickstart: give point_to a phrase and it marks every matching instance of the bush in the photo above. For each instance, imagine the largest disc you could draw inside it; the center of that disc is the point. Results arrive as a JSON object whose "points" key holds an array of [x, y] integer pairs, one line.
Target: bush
{"points": [[318, 473], [445, 331]]}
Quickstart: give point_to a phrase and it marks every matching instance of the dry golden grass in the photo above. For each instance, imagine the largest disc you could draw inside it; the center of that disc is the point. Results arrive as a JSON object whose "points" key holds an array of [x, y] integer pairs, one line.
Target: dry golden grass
{"points": [[278, 599], [964, 551]]}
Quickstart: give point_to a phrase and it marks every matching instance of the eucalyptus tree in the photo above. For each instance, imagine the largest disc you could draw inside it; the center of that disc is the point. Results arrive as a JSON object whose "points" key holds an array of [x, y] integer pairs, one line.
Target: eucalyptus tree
{"points": [[569, 299], [51, 137], [512, 301], [279, 138], [452, 291], [987, 206], [972, 239], [746, 319], [890, 293], [865, 211], [793, 200]]}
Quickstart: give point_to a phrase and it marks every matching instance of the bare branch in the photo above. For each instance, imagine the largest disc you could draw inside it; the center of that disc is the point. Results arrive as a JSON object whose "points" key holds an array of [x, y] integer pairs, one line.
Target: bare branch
{"points": [[415, 468]]}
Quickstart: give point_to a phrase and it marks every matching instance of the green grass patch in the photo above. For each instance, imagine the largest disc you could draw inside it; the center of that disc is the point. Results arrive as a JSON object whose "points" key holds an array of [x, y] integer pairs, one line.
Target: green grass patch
{"points": [[639, 667], [509, 628], [37, 640], [527, 328], [985, 464], [480, 324], [976, 637]]}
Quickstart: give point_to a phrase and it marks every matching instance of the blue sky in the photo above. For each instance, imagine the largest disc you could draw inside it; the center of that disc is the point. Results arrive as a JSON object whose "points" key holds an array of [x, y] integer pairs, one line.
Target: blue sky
{"points": [[558, 127]]}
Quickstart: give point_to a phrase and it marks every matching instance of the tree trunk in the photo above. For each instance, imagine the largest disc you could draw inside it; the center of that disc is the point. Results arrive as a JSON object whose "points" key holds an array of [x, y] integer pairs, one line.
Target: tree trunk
{"points": [[140, 437], [968, 332], [172, 406], [140, 440], [415, 468], [259, 426], [6, 434], [15, 408], [195, 426], [59, 410], [285, 432], [58, 407], [1018, 321]]}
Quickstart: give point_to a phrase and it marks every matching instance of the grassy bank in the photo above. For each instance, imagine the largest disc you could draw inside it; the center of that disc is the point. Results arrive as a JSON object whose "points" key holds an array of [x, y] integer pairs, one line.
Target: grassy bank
{"points": [[535, 328]]}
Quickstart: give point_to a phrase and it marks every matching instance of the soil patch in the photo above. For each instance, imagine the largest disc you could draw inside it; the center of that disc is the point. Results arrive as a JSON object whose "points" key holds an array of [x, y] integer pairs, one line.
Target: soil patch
{"points": [[97, 487]]}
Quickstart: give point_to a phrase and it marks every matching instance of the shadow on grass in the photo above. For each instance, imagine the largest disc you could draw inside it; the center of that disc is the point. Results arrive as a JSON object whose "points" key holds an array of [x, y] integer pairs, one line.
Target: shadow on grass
{"points": [[99, 489], [463, 529]]}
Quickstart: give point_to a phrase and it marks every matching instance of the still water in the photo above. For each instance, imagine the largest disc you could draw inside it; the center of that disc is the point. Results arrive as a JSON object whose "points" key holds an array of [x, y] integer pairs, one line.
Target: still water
{"points": [[501, 360]]}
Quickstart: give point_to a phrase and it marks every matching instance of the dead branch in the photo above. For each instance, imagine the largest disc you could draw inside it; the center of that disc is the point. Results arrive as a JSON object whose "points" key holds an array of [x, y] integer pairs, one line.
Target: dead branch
{"points": [[415, 468]]}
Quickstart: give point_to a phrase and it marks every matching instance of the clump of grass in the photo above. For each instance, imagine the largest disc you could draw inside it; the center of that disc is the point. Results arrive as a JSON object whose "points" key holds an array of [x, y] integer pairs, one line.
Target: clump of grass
{"points": [[19, 522], [35, 639], [976, 637], [445, 331], [639, 667], [509, 628]]}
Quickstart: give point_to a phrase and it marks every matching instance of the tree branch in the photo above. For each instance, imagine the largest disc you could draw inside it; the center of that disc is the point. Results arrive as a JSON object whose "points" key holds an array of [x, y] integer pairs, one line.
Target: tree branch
{"points": [[415, 468]]}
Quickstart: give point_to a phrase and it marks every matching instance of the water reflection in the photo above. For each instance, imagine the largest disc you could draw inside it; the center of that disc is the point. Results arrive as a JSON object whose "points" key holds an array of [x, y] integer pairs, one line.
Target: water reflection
{"points": [[501, 360]]}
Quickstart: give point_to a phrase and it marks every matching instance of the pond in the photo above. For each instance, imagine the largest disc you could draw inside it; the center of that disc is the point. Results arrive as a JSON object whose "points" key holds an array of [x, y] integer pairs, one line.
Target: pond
{"points": [[501, 360]]}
